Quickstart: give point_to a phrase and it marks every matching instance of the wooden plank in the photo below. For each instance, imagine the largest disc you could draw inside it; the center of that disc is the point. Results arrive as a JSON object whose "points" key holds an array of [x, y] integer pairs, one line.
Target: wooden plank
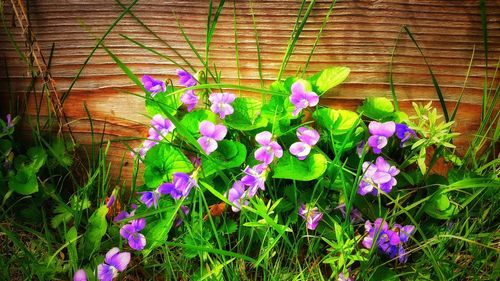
{"points": [[360, 34]]}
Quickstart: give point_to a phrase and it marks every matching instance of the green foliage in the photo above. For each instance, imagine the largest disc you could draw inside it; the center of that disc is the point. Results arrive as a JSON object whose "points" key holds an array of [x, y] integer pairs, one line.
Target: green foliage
{"points": [[289, 167], [229, 154], [440, 207], [328, 78], [377, 108], [191, 121], [96, 228], [164, 101], [247, 115], [161, 162]]}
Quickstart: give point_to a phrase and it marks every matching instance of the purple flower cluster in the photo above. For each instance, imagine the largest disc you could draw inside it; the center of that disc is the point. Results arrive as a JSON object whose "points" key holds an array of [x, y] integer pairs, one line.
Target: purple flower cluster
{"points": [[160, 128], [221, 103], [130, 232], [404, 133], [308, 138], [310, 215], [355, 215], [189, 98], [181, 186], [246, 188], [381, 132], [114, 262], [124, 214], [210, 134], [378, 176], [389, 241], [153, 86], [302, 99], [269, 148]]}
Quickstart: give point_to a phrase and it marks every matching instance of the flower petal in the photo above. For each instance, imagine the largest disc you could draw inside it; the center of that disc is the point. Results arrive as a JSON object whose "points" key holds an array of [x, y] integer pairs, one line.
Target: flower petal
{"points": [[208, 145], [120, 261], [300, 149], [386, 129], [264, 138], [220, 132]]}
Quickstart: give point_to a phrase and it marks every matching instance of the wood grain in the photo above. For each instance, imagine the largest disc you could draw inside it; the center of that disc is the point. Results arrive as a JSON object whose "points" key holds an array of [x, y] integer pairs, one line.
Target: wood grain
{"points": [[360, 35]]}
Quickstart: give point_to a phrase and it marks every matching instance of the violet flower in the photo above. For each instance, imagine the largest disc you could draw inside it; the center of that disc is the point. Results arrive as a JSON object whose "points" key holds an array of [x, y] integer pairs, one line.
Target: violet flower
{"points": [[311, 215], [237, 196], [150, 198], [355, 215], [308, 138], [211, 133], [124, 214], [185, 78], [269, 148], [183, 183], [342, 277], [179, 220], [130, 231], [378, 176], [111, 200], [255, 179], [221, 103], [380, 134], [114, 262], [389, 241], [10, 124], [161, 127], [359, 148], [302, 99], [190, 99], [153, 86], [80, 275], [404, 133]]}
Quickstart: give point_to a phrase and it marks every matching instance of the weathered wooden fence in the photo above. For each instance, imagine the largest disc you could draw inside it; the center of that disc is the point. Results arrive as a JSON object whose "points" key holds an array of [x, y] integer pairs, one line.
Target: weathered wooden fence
{"points": [[359, 34]]}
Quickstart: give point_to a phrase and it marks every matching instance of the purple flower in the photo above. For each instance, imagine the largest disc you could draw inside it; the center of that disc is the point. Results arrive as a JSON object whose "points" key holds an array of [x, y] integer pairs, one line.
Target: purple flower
{"points": [[359, 148], [389, 241], [190, 99], [124, 214], [237, 196], [80, 275], [114, 262], [255, 179], [269, 148], [150, 198], [373, 230], [311, 215], [161, 127], [210, 135], [185, 78], [308, 138], [380, 134], [111, 200], [342, 277], [178, 221], [152, 85], [10, 124], [221, 103], [355, 215], [130, 231], [378, 176], [302, 99], [404, 133], [183, 183]]}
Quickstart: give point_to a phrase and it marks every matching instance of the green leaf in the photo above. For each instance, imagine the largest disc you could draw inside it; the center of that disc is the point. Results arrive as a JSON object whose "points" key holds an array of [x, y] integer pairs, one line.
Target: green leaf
{"points": [[163, 101], [384, 273], [247, 115], [336, 121], [229, 154], [60, 152], [377, 108], [161, 162], [328, 78], [70, 238], [38, 156], [192, 120], [289, 167], [158, 233], [440, 207], [96, 228], [25, 181]]}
